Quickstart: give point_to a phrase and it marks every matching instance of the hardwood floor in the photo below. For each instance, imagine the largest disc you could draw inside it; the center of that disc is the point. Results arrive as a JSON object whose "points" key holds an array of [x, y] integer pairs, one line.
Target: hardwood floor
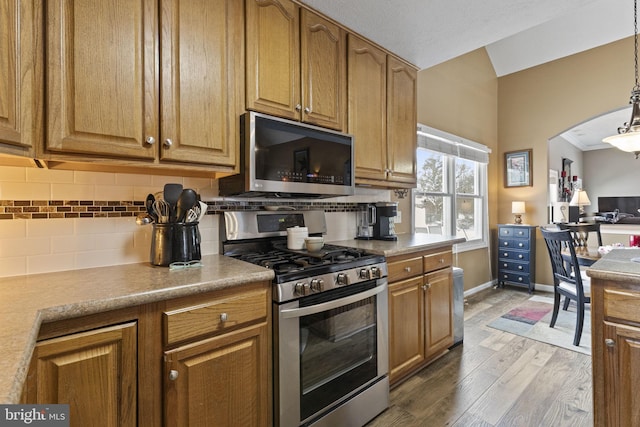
{"points": [[495, 378]]}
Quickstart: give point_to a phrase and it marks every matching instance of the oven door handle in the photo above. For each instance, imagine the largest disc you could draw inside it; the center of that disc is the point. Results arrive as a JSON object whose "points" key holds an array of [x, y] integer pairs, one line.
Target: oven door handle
{"points": [[318, 308]]}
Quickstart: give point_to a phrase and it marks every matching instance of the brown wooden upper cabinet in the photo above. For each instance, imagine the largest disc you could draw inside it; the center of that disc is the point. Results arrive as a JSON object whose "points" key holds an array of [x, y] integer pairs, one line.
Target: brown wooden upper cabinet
{"points": [[20, 77], [296, 64], [382, 115], [145, 80]]}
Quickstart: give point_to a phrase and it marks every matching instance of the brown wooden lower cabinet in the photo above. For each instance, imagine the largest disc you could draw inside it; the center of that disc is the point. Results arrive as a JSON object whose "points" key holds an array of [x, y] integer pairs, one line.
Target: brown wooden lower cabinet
{"points": [[95, 372], [203, 360], [420, 310], [616, 351]]}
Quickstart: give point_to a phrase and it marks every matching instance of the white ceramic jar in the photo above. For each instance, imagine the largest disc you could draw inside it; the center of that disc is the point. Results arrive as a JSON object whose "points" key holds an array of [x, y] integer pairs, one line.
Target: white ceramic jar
{"points": [[296, 236]]}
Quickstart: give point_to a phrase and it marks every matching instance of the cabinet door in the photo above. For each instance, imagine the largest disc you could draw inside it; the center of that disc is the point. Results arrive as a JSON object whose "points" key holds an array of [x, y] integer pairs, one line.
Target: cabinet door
{"points": [[367, 89], [202, 80], [221, 381], [273, 57], [102, 77], [94, 372], [439, 311], [323, 67], [621, 374], [401, 122], [20, 76], [406, 327]]}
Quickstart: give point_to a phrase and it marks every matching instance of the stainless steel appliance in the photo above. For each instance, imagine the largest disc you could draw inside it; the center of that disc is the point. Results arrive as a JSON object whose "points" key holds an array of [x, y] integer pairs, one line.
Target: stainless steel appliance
{"points": [[284, 158], [330, 320], [377, 221], [365, 218]]}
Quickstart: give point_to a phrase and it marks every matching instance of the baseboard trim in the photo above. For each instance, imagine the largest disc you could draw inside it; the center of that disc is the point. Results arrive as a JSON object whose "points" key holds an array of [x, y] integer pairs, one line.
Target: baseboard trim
{"points": [[487, 285]]}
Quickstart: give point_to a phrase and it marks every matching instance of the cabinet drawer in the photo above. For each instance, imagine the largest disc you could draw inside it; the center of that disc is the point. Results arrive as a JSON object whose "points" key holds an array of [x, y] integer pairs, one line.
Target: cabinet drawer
{"points": [[519, 267], [437, 261], [515, 255], [507, 276], [623, 305], [400, 270], [214, 316], [522, 233], [514, 243]]}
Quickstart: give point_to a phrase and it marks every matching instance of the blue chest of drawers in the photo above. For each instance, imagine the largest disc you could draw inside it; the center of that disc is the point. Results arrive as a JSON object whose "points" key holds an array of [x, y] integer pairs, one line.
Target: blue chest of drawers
{"points": [[517, 255]]}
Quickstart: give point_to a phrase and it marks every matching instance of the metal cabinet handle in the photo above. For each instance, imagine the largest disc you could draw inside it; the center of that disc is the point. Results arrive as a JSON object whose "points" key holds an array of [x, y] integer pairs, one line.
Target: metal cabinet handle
{"points": [[441, 261], [407, 269], [426, 286], [224, 317], [150, 140], [506, 243], [298, 107], [173, 375], [168, 142], [307, 110], [609, 342]]}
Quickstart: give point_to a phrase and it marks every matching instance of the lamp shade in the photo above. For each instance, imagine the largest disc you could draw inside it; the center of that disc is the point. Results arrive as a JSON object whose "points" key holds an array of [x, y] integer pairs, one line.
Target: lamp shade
{"points": [[580, 198], [517, 207]]}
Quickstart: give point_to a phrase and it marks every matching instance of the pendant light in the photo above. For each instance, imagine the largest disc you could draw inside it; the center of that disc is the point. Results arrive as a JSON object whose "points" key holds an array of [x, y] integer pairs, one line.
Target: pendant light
{"points": [[628, 138]]}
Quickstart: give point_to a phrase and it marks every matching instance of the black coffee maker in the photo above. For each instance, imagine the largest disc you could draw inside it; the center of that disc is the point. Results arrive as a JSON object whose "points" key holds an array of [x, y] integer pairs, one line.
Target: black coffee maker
{"points": [[384, 226]]}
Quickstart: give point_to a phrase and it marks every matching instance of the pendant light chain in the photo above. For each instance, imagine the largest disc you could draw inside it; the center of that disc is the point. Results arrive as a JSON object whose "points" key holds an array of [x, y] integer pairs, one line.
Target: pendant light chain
{"points": [[635, 39]]}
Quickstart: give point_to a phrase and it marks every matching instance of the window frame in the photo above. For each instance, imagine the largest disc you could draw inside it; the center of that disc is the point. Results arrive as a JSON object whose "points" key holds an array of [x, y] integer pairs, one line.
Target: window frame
{"points": [[482, 189]]}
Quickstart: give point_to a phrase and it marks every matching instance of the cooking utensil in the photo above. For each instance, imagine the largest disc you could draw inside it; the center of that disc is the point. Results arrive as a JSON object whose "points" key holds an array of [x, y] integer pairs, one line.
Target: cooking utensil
{"points": [[172, 193], [148, 204], [192, 215], [188, 198], [162, 208], [203, 210], [144, 218]]}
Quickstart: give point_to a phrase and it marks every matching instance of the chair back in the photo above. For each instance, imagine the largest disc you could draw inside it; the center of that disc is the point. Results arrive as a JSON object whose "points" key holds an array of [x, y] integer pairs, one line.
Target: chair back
{"points": [[564, 263], [580, 233]]}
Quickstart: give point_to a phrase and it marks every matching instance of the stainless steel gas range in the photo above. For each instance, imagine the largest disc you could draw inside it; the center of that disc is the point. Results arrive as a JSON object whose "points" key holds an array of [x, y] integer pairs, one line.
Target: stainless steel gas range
{"points": [[330, 320]]}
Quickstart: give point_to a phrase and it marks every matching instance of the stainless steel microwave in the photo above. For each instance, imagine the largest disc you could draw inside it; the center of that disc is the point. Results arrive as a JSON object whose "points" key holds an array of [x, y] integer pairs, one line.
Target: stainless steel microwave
{"points": [[284, 158]]}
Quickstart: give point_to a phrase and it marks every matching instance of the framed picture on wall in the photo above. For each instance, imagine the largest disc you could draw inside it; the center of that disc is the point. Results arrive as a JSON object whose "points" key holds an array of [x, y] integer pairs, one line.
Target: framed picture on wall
{"points": [[518, 169]]}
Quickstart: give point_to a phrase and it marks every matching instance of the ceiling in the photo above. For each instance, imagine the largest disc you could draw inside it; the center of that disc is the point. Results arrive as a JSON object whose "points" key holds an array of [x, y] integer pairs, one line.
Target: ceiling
{"points": [[517, 34]]}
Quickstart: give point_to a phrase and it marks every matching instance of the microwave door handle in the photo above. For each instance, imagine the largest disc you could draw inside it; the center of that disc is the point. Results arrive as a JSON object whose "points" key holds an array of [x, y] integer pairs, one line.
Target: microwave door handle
{"points": [[319, 308]]}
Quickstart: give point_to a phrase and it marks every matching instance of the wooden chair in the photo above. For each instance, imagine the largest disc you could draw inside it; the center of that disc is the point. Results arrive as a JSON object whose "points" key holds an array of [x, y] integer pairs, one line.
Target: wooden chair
{"points": [[567, 278], [580, 232]]}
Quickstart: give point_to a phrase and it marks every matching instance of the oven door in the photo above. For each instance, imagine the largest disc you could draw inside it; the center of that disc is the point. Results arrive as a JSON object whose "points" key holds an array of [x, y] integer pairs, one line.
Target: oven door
{"points": [[330, 347]]}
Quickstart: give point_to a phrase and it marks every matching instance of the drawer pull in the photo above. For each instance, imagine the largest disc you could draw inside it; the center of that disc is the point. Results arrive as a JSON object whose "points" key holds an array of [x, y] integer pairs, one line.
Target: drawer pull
{"points": [[173, 375], [505, 265], [521, 232], [441, 260], [224, 317], [426, 286], [506, 254], [520, 256], [519, 279], [520, 244], [506, 276], [407, 269], [609, 342], [519, 267], [506, 243]]}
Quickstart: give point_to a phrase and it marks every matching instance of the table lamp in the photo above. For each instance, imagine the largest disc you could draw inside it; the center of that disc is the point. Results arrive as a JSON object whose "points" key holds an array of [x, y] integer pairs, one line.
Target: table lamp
{"points": [[517, 208], [581, 200]]}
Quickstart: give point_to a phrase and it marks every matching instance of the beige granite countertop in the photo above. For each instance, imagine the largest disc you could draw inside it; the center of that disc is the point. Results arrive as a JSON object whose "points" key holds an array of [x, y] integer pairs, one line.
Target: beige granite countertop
{"points": [[27, 301], [617, 264], [405, 244]]}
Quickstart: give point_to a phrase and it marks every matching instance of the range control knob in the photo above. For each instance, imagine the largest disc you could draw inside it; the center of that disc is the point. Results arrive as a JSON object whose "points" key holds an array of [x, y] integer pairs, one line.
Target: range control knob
{"points": [[302, 289], [317, 285], [342, 279], [365, 274], [376, 273]]}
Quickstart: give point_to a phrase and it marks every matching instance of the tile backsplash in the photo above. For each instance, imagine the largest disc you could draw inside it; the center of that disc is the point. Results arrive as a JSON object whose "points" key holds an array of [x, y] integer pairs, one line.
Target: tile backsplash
{"points": [[52, 220]]}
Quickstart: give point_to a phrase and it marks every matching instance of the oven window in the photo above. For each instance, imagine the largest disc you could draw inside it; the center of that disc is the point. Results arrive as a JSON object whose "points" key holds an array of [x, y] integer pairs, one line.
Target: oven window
{"points": [[337, 354]]}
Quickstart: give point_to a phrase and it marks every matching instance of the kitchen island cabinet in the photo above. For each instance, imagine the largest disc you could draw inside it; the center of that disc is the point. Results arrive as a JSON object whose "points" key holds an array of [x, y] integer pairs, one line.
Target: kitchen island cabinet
{"points": [[20, 77], [615, 336], [107, 102], [296, 64]]}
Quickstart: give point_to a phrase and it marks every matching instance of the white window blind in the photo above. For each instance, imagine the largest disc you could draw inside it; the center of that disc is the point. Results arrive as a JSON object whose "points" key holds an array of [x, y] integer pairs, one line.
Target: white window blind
{"points": [[446, 143]]}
